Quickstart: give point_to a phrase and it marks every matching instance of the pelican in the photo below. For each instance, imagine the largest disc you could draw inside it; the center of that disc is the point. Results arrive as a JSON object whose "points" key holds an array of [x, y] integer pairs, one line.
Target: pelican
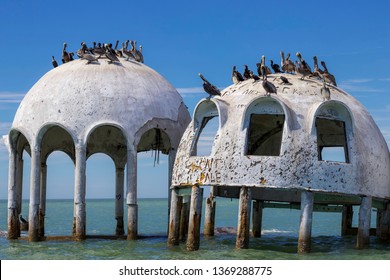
{"points": [[236, 76], [137, 54], [247, 72], [127, 54], [287, 64], [54, 62], [65, 54], [325, 92], [267, 85], [317, 72], [303, 68], [89, 57], [117, 52], [268, 71], [110, 55], [253, 76], [326, 76], [285, 81], [208, 87], [275, 67]]}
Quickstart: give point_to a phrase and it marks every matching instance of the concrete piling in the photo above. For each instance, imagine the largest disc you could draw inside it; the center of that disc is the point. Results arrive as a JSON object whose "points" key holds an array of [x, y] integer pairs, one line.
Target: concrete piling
{"points": [[384, 225], [79, 197], [363, 237], [346, 220], [42, 207], [184, 218], [244, 211], [33, 230], [131, 195], [209, 220], [257, 218], [119, 189], [193, 239], [174, 218], [304, 239]]}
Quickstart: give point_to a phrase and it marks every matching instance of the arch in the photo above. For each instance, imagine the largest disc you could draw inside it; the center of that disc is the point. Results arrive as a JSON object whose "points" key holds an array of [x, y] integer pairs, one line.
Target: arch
{"points": [[332, 126], [264, 121], [109, 139], [206, 125]]}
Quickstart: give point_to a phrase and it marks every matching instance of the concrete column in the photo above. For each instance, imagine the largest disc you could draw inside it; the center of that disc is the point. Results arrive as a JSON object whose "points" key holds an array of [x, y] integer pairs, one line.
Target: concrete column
{"points": [[257, 218], [174, 219], [346, 220], [171, 162], [33, 219], [244, 214], [385, 224], [193, 239], [131, 195], [19, 185], [119, 189], [184, 218], [79, 193], [304, 239], [209, 220], [363, 237], [13, 211], [42, 208]]}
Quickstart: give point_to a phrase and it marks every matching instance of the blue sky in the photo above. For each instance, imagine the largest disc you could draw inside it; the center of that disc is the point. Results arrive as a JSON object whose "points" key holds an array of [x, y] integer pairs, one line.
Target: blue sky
{"points": [[180, 39]]}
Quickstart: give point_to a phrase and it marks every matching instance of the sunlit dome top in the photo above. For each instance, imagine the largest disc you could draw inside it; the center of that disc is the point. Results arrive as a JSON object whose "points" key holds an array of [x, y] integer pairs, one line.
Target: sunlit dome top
{"points": [[79, 96], [295, 139]]}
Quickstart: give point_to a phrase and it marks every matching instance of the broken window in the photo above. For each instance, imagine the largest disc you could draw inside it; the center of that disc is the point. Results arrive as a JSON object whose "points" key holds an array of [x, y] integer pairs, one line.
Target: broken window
{"points": [[265, 134], [331, 140], [205, 136]]}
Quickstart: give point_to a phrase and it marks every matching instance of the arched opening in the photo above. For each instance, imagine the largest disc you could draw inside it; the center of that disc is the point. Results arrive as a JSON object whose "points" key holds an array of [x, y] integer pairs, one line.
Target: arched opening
{"points": [[106, 151], [333, 125], [264, 121], [56, 180], [206, 127]]}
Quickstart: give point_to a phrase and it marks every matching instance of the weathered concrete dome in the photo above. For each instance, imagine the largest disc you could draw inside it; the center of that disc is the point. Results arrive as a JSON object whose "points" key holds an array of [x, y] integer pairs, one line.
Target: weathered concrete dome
{"points": [[285, 141], [81, 109], [80, 97]]}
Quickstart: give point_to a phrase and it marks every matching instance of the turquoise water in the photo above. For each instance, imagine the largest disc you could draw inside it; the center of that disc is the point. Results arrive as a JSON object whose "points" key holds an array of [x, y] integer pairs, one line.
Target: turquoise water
{"points": [[278, 241]]}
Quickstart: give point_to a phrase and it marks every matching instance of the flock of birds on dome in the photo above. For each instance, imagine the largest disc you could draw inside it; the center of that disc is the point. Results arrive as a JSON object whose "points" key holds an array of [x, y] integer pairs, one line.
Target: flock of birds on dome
{"points": [[300, 67], [99, 50]]}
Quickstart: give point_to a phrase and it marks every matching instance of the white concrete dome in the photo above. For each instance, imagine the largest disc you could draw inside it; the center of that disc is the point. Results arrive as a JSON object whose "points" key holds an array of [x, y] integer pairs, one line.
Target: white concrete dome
{"points": [[285, 141], [79, 97]]}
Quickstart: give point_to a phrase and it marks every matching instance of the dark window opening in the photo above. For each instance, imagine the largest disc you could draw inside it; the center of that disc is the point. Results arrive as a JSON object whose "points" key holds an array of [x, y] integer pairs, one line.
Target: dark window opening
{"points": [[265, 135], [332, 140], [205, 136]]}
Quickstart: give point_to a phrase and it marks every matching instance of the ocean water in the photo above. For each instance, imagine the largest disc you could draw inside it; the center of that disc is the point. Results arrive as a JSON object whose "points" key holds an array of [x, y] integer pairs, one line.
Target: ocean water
{"points": [[278, 241]]}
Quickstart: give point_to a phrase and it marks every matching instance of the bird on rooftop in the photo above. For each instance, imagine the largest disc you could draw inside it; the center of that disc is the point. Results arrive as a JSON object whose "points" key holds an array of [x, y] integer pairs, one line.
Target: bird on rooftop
{"points": [[317, 72], [208, 87], [89, 57], [303, 68], [285, 81], [262, 63], [110, 55], [246, 73], [287, 65], [65, 54], [253, 76], [267, 85], [126, 53], [137, 54], [326, 76], [325, 92], [117, 52], [236, 76], [54, 62], [275, 67]]}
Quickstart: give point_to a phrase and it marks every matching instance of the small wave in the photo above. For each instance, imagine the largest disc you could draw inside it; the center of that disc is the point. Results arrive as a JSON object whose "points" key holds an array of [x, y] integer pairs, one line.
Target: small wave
{"points": [[3, 233], [274, 230]]}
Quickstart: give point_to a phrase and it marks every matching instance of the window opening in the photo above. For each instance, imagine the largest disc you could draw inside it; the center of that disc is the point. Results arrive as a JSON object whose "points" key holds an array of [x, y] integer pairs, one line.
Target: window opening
{"points": [[265, 134], [205, 136], [331, 140]]}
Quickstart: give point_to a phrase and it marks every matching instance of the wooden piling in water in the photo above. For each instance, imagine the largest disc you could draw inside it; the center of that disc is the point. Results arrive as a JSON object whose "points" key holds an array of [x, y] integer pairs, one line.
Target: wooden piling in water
{"points": [[363, 237], [184, 218], [244, 212], [174, 218], [304, 239], [193, 238], [257, 218], [346, 220], [209, 220]]}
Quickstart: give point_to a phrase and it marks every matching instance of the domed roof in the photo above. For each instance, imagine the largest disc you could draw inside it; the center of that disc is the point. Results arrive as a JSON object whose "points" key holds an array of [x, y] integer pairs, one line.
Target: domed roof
{"points": [[285, 141], [79, 96]]}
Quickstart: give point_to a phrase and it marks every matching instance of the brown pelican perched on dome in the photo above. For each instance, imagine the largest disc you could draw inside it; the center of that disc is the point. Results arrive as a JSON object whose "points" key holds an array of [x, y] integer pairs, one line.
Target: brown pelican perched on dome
{"points": [[236, 76], [137, 54], [208, 87], [65, 54], [317, 72], [267, 85], [247, 72], [89, 57], [275, 67], [54, 62], [110, 54], [326, 76], [126, 53], [303, 68], [253, 76], [287, 65]]}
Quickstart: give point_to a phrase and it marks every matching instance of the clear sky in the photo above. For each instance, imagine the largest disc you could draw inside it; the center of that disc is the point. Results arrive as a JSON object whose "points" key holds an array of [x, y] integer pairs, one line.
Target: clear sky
{"points": [[180, 39]]}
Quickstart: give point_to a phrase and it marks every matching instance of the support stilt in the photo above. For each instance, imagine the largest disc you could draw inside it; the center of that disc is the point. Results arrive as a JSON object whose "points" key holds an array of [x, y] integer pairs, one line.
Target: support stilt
{"points": [[42, 208], [363, 238], [184, 218], [385, 224], [304, 239], [209, 220], [13, 215], [33, 229], [119, 187], [244, 212], [193, 239], [79, 196], [257, 218], [131, 195], [346, 220], [174, 219]]}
